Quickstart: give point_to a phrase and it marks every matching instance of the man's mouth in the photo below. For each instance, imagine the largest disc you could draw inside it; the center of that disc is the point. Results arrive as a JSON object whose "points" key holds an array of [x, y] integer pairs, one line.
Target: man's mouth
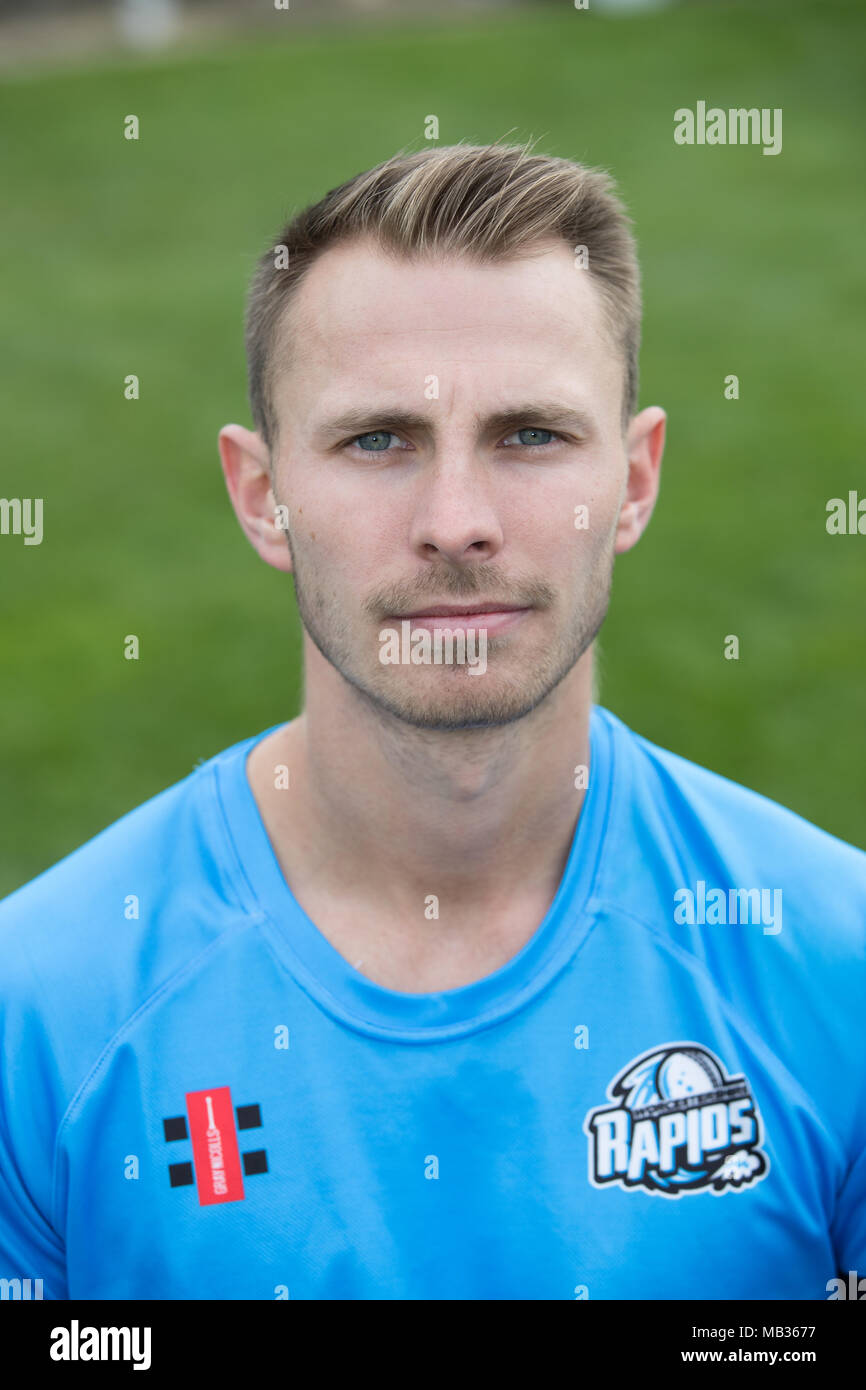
{"points": [[462, 610], [489, 614]]}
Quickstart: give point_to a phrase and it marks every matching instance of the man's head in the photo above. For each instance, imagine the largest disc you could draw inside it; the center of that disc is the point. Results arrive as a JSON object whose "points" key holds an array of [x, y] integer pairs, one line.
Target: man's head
{"points": [[443, 377]]}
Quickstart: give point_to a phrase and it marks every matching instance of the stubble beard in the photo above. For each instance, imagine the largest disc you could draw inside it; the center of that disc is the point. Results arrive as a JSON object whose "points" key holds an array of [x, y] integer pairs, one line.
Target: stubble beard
{"points": [[454, 700]]}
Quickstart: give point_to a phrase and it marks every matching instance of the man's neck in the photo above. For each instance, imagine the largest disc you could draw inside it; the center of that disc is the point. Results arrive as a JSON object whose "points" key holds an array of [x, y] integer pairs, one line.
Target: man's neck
{"points": [[382, 825]]}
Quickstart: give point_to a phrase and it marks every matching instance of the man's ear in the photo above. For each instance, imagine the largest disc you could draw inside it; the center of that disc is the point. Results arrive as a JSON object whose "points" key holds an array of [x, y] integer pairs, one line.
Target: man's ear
{"points": [[246, 466], [645, 442]]}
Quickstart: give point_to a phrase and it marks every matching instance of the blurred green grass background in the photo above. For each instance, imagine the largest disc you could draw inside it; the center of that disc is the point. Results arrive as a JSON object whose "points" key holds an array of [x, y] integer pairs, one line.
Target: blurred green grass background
{"points": [[122, 257]]}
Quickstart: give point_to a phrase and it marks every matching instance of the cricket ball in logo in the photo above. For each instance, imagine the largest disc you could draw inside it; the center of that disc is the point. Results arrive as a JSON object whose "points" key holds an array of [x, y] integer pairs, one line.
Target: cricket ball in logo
{"points": [[676, 1124]]}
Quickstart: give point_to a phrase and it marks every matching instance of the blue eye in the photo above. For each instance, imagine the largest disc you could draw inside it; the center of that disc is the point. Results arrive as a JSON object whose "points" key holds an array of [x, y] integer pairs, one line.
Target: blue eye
{"points": [[377, 441], [380, 441], [533, 437]]}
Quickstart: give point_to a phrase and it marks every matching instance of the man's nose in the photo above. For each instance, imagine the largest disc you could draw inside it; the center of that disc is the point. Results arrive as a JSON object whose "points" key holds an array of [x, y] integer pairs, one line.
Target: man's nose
{"points": [[455, 517]]}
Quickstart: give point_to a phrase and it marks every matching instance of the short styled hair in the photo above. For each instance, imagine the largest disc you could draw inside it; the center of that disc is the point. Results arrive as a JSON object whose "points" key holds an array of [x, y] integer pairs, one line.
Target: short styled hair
{"points": [[486, 202]]}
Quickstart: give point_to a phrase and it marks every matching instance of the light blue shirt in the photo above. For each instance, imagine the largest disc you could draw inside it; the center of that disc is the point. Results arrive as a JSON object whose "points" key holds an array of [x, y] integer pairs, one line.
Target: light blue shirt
{"points": [[662, 1095]]}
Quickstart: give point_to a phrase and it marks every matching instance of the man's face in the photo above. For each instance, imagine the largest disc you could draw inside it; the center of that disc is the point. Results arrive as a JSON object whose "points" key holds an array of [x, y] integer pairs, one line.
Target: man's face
{"points": [[440, 423]]}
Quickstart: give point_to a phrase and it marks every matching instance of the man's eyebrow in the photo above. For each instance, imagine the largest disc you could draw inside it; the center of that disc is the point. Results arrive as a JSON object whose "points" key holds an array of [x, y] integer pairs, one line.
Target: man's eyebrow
{"points": [[534, 415]]}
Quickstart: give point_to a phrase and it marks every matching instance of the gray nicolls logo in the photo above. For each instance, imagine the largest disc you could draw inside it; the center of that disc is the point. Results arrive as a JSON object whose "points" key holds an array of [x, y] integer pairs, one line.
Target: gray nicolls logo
{"points": [[676, 1124]]}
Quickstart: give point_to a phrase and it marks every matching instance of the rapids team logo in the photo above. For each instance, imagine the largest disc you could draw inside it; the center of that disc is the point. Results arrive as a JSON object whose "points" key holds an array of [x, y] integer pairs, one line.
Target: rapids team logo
{"points": [[677, 1124]]}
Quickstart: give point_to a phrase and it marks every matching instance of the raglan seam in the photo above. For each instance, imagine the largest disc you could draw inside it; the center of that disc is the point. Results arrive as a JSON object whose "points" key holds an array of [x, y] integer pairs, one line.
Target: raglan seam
{"points": [[188, 968]]}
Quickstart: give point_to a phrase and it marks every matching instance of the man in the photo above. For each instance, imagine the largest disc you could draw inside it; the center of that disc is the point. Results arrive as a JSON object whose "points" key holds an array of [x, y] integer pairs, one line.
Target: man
{"points": [[453, 986]]}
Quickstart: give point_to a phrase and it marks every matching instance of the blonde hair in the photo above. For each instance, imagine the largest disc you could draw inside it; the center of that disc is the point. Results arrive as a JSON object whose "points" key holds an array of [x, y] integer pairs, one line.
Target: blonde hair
{"points": [[487, 202]]}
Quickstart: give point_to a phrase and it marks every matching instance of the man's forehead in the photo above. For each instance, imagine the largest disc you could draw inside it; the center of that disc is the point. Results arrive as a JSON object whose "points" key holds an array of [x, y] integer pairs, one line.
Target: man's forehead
{"points": [[356, 301], [365, 329]]}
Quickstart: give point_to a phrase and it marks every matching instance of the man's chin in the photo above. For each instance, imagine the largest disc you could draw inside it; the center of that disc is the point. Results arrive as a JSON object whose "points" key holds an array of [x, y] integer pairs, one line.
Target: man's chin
{"points": [[459, 702]]}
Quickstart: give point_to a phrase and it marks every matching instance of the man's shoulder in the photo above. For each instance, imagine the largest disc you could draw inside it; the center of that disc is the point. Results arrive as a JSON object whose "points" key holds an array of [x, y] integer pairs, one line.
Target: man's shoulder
{"points": [[707, 822], [105, 925], [736, 810]]}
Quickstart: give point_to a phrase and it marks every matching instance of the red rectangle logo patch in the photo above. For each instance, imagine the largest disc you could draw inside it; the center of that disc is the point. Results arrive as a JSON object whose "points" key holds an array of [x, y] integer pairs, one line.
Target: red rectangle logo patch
{"points": [[216, 1157]]}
